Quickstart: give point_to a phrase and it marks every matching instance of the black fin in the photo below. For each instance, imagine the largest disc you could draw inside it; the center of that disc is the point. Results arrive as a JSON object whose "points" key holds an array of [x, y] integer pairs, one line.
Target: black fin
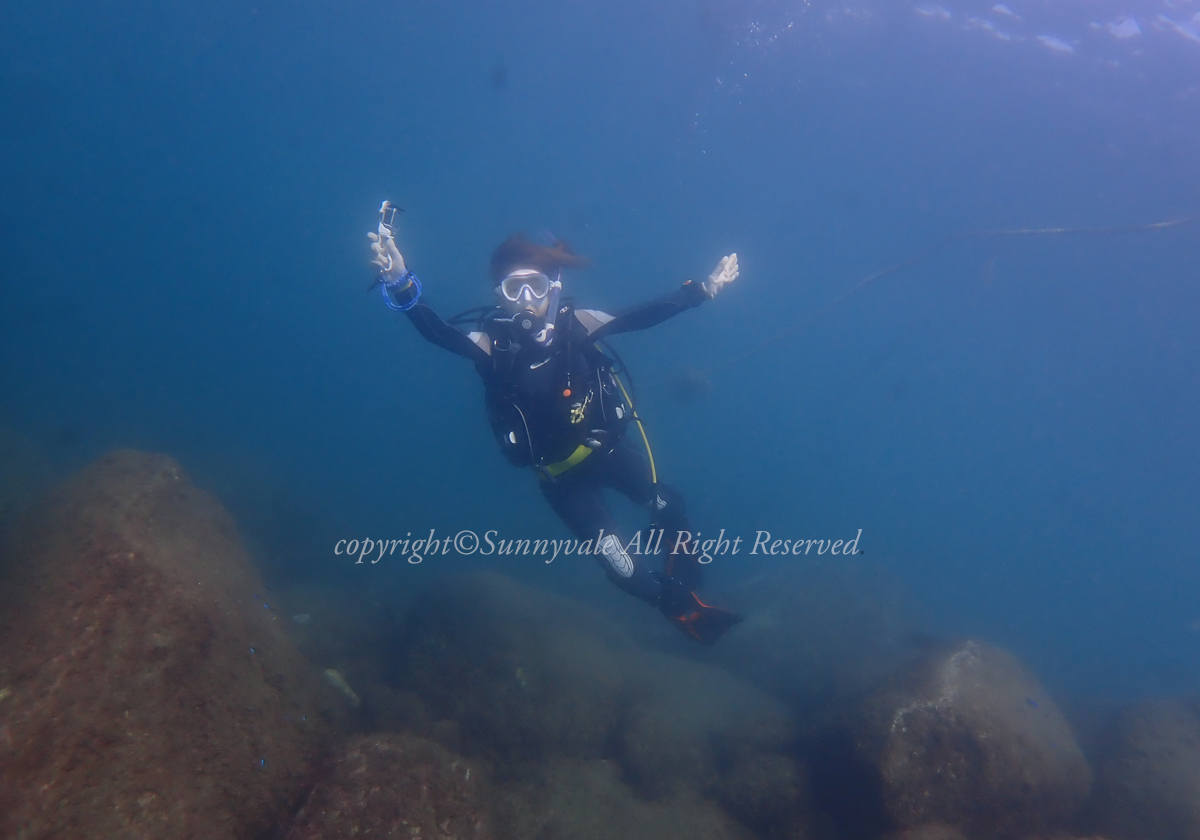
{"points": [[706, 624]]}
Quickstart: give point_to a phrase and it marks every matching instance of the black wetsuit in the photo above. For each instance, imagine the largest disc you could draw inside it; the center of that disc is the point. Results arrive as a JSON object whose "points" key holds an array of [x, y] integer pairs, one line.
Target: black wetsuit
{"points": [[558, 408]]}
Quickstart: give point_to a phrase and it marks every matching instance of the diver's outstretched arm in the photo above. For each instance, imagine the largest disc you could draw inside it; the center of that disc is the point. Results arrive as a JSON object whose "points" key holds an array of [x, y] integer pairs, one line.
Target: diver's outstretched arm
{"points": [[447, 336], [690, 295], [402, 292]]}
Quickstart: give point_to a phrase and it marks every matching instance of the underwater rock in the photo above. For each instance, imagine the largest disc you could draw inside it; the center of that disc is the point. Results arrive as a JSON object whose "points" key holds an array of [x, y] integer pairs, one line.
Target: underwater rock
{"points": [[965, 738], [1148, 773], [815, 636], [685, 721], [355, 632], [937, 832], [587, 800], [395, 785], [148, 692], [532, 678], [397, 710], [526, 674], [769, 793]]}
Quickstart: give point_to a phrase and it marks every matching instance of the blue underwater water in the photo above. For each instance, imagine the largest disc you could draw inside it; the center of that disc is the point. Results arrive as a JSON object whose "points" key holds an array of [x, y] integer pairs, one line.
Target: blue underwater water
{"points": [[1010, 419]]}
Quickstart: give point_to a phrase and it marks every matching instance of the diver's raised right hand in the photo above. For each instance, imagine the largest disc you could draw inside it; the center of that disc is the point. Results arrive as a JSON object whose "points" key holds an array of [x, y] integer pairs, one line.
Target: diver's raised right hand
{"points": [[383, 248], [725, 273]]}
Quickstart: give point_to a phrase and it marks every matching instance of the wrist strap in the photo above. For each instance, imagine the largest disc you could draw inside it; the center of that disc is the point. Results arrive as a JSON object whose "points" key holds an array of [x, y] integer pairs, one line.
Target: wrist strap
{"points": [[403, 283]]}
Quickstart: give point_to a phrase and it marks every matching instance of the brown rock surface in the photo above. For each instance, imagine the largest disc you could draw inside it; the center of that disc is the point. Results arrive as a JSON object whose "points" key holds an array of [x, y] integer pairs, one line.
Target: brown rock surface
{"points": [[147, 693], [525, 674], [769, 793], [398, 786], [817, 635], [937, 832], [688, 722], [1148, 774], [586, 800], [536, 681], [967, 739]]}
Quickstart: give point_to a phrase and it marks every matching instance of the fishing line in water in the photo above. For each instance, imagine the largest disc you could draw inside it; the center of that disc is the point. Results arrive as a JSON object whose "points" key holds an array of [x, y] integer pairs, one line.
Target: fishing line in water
{"points": [[929, 252]]}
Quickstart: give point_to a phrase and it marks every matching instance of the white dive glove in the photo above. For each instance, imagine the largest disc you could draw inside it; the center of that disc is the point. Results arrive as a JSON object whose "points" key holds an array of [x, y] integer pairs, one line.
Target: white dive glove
{"points": [[725, 272], [383, 245]]}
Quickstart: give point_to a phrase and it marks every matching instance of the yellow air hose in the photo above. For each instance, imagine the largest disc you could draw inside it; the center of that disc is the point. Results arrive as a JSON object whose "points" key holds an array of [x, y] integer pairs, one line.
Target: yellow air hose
{"points": [[641, 428]]}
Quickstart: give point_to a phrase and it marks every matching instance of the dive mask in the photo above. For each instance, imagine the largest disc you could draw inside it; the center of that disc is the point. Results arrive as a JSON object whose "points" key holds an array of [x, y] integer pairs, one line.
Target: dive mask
{"points": [[525, 284], [531, 299]]}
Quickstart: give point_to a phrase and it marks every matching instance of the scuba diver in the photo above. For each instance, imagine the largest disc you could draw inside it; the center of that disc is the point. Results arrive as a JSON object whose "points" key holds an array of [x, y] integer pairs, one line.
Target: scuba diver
{"points": [[555, 403]]}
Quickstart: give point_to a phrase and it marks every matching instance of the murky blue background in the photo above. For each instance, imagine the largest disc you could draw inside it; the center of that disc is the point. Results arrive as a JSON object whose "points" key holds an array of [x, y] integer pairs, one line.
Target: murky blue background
{"points": [[184, 197]]}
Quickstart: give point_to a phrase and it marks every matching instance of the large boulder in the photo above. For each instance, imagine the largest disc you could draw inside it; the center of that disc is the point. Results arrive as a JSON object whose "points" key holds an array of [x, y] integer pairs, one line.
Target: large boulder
{"points": [[531, 679], [147, 690], [399, 786], [816, 634], [685, 723], [1148, 774], [567, 799], [770, 793], [525, 674], [966, 739]]}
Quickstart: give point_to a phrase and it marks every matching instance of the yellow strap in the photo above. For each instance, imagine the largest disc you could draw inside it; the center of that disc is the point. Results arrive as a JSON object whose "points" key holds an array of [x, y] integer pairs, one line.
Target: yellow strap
{"points": [[574, 458], [641, 428], [581, 451]]}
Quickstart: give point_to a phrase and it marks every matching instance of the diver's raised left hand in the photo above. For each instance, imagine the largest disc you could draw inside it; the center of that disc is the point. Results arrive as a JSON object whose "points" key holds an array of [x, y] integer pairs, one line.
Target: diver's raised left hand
{"points": [[725, 272]]}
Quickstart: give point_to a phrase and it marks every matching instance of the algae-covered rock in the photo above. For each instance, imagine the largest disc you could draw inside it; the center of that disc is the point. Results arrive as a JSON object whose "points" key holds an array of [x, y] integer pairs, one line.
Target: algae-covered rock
{"points": [[817, 635], [935, 831], [586, 800], [395, 785], [534, 680], [526, 674], [967, 739], [769, 792], [687, 721], [1148, 773], [148, 693]]}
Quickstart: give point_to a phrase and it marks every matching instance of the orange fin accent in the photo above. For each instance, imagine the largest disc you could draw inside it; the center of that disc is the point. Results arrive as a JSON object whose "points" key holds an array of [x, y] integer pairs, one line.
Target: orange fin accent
{"points": [[707, 624]]}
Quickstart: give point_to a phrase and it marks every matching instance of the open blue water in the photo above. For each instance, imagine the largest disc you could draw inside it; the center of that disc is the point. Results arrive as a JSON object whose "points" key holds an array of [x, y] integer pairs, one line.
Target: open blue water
{"points": [[1012, 421]]}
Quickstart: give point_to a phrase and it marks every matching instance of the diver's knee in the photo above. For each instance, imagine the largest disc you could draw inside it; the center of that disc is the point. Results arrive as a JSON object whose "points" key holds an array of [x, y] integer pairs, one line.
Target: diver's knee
{"points": [[664, 498], [623, 569], [666, 503], [616, 559]]}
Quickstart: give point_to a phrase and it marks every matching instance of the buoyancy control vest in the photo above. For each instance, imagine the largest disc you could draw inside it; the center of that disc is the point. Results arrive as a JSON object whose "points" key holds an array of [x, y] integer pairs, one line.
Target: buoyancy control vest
{"points": [[544, 403]]}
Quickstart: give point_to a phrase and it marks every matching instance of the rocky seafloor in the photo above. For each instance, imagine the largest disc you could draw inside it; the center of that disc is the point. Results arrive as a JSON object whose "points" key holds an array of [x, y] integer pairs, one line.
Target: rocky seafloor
{"points": [[148, 690]]}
